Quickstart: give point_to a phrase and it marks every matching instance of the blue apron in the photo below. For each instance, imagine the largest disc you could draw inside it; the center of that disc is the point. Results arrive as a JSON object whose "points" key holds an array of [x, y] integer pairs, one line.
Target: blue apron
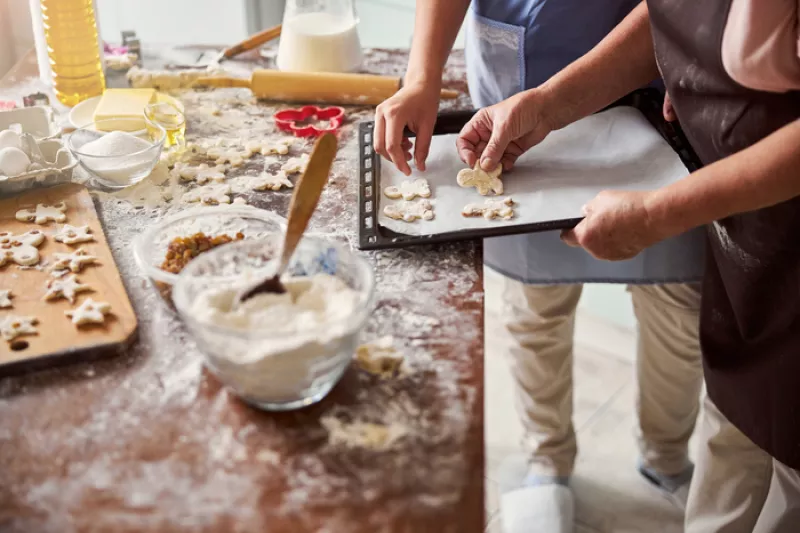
{"points": [[513, 45]]}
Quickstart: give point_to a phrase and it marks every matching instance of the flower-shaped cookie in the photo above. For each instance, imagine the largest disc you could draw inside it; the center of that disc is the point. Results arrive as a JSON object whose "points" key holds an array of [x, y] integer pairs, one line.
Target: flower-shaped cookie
{"points": [[294, 120]]}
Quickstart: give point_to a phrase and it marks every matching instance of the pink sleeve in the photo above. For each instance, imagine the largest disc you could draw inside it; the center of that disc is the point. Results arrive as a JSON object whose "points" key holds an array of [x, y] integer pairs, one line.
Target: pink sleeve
{"points": [[761, 44]]}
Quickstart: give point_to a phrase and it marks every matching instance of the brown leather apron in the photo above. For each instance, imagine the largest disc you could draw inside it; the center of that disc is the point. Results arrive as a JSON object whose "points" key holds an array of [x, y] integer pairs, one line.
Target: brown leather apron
{"points": [[750, 320]]}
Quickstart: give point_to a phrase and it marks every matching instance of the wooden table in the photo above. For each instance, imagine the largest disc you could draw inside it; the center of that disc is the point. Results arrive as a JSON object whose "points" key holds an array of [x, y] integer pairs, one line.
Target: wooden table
{"points": [[147, 440]]}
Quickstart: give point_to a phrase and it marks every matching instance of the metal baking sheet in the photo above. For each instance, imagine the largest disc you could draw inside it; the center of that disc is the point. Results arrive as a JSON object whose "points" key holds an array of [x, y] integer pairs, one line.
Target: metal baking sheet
{"points": [[617, 148]]}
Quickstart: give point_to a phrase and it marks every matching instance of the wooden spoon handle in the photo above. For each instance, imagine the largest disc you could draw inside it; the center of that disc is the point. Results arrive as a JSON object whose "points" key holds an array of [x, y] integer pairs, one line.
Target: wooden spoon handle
{"points": [[253, 41], [306, 194]]}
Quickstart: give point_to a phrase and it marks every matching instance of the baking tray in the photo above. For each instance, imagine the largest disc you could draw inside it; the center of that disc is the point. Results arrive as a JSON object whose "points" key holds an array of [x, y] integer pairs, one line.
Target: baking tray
{"points": [[373, 236]]}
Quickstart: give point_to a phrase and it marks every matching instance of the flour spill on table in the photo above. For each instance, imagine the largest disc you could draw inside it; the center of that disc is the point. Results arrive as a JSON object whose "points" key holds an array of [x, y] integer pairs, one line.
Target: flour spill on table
{"points": [[160, 411]]}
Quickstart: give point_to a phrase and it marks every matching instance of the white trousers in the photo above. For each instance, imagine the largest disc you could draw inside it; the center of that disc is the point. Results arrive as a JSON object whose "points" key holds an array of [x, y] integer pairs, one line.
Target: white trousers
{"points": [[534, 324], [737, 486]]}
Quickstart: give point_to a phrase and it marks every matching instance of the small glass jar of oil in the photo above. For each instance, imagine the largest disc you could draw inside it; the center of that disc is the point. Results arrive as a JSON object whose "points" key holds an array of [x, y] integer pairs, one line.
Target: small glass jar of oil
{"points": [[170, 118]]}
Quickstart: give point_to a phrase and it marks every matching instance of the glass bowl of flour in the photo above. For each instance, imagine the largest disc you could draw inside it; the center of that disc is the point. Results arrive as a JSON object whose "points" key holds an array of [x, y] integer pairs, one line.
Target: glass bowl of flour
{"points": [[277, 351], [117, 159]]}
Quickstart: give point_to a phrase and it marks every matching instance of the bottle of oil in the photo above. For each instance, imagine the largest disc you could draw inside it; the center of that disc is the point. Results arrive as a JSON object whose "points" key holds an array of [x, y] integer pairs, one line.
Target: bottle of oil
{"points": [[70, 30]]}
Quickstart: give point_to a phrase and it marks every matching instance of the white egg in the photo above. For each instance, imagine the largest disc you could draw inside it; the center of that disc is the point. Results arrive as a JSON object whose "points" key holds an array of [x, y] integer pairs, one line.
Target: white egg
{"points": [[9, 139], [13, 161]]}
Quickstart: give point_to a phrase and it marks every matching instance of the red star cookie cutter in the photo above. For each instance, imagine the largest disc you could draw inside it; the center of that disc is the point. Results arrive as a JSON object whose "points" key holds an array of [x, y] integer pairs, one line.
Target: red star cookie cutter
{"points": [[288, 119]]}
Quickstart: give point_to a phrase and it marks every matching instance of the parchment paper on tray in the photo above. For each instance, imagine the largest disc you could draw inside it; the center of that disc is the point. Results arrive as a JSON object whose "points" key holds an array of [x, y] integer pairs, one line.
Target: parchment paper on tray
{"points": [[615, 149]]}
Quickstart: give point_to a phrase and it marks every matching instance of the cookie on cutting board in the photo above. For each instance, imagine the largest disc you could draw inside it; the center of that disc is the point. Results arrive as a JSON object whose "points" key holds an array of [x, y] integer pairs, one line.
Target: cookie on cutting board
{"points": [[58, 341]]}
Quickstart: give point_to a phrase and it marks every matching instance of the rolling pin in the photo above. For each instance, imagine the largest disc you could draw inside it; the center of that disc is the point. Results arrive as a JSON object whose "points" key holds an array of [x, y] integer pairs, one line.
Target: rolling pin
{"points": [[316, 87]]}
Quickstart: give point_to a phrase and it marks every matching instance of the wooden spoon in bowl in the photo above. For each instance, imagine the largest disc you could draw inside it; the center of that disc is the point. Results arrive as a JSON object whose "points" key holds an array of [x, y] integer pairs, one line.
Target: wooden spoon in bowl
{"points": [[304, 202]]}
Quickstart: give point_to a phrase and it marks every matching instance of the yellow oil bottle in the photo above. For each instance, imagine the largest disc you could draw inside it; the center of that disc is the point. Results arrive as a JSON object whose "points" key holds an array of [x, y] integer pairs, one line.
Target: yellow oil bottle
{"points": [[70, 30]]}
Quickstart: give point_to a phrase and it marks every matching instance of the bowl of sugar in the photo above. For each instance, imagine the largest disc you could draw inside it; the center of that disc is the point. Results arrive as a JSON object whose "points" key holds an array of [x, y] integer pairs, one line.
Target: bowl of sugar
{"points": [[117, 159]]}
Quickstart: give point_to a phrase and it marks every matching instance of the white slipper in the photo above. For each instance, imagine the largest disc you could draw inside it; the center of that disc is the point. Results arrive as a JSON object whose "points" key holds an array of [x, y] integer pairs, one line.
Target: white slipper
{"points": [[540, 509]]}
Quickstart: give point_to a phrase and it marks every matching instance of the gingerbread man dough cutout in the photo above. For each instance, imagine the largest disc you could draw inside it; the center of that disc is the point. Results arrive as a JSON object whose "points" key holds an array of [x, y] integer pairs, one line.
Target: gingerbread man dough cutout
{"points": [[89, 312], [209, 195], [408, 190], [5, 299], [484, 182], [14, 326], [296, 165], [67, 288], [73, 234], [269, 182], [410, 211], [43, 213], [74, 261], [20, 249], [491, 209]]}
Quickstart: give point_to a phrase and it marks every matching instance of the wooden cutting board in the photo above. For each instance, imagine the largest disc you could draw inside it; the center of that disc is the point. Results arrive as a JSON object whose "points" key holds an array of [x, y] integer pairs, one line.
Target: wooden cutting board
{"points": [[59, 341]]}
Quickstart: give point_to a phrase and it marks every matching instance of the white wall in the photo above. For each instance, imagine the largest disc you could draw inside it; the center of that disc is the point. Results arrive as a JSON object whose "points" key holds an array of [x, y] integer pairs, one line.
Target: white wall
{"points": [[174, 21], [16, 33]]}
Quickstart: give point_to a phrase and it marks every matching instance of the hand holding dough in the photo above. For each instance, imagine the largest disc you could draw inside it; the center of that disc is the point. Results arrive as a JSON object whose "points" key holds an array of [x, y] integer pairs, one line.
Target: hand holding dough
{"points": [[480, 179]]}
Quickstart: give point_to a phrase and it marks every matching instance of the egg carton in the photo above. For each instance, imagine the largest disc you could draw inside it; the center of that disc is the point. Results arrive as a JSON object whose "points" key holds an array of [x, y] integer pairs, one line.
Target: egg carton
{"points": [[51, 163]]}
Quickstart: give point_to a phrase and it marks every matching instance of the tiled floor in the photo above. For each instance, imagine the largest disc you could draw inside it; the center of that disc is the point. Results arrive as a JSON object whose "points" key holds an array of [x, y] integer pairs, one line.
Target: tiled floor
{"points": [[610, 495]]}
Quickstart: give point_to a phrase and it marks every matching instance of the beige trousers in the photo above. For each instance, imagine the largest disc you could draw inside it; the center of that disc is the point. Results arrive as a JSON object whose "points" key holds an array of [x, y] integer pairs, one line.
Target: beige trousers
{"points": [[534, 325], [738, 487]]}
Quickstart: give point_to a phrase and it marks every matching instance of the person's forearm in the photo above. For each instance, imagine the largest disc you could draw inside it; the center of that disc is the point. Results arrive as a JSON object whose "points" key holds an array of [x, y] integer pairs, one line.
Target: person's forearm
{"points": [[621, 63], [436, 26], [762, 175]]}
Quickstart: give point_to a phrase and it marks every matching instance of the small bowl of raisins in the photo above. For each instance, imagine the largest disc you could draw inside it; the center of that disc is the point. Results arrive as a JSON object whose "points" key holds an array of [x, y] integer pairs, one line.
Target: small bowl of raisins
{"points": [[165, 249]]}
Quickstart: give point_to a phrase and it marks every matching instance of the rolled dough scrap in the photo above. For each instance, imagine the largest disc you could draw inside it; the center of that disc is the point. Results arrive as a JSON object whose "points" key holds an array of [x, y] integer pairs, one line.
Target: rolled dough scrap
{"points": [[20, 249], [89, 312], [66, 288], [491, 209], [269, 182], [361, 433], [209, 195], [43, 213], [5, 299], [74, 261], [73, 234], [13, 326], [296, 165], [410, 211], [484, 182], [379, 357], [408, 190]]}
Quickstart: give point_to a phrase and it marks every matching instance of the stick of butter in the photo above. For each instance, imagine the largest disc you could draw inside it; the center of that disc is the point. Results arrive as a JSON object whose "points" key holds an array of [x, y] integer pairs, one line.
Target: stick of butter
{"points": [[118, 106]]}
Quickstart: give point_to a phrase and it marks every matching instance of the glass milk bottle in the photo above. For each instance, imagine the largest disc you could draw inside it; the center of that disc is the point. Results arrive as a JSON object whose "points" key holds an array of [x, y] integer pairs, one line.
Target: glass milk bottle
{"points": [[70, 30], [319, 36]]}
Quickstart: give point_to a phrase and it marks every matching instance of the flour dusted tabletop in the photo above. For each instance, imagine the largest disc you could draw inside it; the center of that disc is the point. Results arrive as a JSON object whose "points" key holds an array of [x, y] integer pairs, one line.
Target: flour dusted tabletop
{"points": [[148, 441]]}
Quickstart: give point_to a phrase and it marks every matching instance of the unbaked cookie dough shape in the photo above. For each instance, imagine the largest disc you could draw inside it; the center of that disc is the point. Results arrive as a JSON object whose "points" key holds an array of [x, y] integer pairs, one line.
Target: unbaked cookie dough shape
{"points": [[379, 357], [270, 182], [491, 209], [410, 211], [296, 165], [484, 182], [73, 262], [20, 249], [13, 326], [209, 194], [67, 288], [408, 190], [5, 299], [73, 234], [43, 213], [89, 312]]}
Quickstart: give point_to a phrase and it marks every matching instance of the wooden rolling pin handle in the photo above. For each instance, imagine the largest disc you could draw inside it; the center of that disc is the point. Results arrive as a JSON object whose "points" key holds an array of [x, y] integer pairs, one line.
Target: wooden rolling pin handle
{"points": [[255, 41], [449, 94]]}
